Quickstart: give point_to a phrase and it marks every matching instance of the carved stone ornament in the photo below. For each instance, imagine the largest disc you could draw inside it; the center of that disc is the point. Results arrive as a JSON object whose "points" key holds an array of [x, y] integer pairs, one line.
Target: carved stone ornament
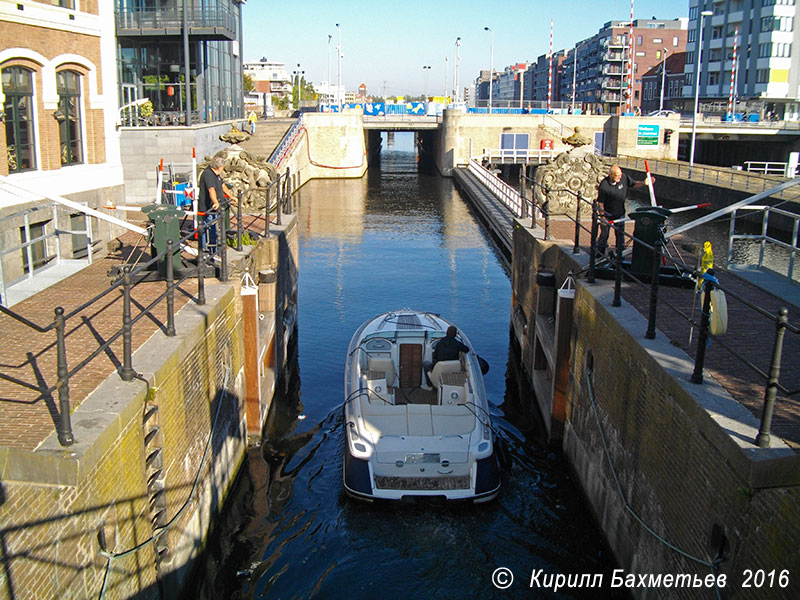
{"points": [[246, 172], [577, 171]]}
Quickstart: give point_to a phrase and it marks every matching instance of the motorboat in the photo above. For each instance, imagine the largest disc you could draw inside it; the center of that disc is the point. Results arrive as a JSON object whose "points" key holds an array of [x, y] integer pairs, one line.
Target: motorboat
{"points": [[416, 429]]}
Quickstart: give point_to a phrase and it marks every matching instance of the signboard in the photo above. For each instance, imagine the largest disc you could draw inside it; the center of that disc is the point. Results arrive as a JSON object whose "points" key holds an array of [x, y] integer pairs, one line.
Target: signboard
{"points": [[647, 135]]}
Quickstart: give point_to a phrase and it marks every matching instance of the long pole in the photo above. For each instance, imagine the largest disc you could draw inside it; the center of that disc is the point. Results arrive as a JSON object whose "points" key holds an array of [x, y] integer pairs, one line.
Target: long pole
{"points": [[455, 69], [330, 37], [574, 76], [445, 76], [521, 86], [187, 89], [550, 70], [491, 64], [339, 75], [663, 80], [703, 14], [630, 63], [733, 75]]}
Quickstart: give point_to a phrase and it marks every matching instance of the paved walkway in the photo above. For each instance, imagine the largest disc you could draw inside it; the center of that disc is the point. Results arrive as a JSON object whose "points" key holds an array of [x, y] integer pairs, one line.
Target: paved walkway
{"points": [[27, 416]]}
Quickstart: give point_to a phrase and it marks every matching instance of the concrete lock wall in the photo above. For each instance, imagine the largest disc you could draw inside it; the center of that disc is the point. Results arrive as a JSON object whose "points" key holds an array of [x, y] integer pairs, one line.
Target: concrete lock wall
{"points": [[460, 131], [328, 146], [683, 453], [152, 463]]}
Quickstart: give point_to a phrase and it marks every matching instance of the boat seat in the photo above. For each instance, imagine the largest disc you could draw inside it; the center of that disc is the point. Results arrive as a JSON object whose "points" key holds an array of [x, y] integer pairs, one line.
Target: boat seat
{"points": [[444, 367], [375, 366]]}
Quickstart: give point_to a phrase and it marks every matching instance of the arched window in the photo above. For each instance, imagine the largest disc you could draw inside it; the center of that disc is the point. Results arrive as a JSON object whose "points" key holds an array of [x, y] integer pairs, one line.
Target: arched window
{"points": [[18, 109], [68, 115]]}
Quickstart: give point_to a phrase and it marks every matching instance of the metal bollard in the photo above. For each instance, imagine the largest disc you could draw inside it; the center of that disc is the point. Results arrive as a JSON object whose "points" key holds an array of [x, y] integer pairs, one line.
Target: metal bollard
{"points": [[576, 248], [170, 291], [222, 243], [266, 210], [546, 210], [65, 423], [651, 321], [289, 207], [593, 245], [127, 372], [201, 263], [762, 439], [281, 191], [619, 238], [702, 338], [239, 222]]}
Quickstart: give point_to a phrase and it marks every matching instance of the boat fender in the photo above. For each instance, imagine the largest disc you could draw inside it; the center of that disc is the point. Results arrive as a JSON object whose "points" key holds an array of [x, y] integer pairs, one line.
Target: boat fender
{"points": [[718, 313], [503, 454]]}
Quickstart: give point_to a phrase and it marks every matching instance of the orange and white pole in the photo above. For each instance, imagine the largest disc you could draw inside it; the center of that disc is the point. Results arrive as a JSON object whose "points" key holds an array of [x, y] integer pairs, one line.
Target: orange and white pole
{"points": [[649, 180]]}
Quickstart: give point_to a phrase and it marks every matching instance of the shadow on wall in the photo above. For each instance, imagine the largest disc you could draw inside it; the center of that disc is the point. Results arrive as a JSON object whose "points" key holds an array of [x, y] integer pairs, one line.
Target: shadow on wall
{"points": [[101, 545]]}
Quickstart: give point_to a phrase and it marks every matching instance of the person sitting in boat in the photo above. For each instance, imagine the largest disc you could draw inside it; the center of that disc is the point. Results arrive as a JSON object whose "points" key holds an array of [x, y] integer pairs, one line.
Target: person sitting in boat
{"points": [[447, 348], [611, 195]]}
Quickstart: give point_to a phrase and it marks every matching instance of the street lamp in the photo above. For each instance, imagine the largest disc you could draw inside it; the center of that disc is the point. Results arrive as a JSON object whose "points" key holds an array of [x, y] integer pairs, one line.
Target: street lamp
{"points": [[455, 68], [445, 77], [703, 14], [339, 75], [491, 64], [330, 37], [426, 69], [663, 80], [574, 75]]}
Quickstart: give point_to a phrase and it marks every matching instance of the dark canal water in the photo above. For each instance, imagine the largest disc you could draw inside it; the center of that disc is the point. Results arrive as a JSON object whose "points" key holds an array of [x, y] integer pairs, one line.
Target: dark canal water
{"points": [[397, 238]]}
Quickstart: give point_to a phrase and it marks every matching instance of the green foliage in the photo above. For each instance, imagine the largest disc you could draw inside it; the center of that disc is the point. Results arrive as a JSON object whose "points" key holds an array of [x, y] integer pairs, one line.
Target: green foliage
{"points": [[247, 240], [248, 84]]}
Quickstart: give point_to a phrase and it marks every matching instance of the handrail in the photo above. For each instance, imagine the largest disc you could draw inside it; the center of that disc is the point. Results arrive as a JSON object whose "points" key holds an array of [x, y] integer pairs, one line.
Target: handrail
{"points": [[501, 190], [288, 139], [525, 155], [764, 236]]}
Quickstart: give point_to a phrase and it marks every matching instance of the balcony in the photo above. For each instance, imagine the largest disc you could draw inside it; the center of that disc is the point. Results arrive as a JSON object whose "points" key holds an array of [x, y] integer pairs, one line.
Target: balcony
{"points": [[610, 98], [204, 22], [612, 70], [611, 83]]}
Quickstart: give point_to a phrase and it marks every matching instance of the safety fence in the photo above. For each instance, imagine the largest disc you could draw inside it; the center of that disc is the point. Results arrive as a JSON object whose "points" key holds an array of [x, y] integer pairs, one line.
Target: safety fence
{"points": [[587, 209], [127, 279], [764, 239]]}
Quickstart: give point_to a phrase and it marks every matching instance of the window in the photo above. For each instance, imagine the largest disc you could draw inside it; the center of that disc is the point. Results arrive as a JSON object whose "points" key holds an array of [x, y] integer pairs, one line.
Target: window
{"points": [[18, 107], [658, 41], [762, 76], [690, 58], [640, 53], [716, 32], [715, 54], [638, 40], [38, 247], [68, 115], [675, 41], [658, 54], [693, 11], [764, 50], [692, 36], [511, 142], [713, 78]]}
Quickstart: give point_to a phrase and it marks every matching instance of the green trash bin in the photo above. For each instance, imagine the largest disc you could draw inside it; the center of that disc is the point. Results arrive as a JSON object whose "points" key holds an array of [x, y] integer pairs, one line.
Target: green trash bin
{"points": [[648, 228], [166, 221]]}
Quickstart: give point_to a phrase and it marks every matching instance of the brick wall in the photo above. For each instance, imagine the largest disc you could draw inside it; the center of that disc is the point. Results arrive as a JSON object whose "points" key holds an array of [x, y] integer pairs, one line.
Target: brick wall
{"points": [[683, 466]]}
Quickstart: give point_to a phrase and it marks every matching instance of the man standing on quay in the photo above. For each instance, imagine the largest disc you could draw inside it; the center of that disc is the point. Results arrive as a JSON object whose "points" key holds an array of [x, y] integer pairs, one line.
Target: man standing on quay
{"points": [[611, 195]]}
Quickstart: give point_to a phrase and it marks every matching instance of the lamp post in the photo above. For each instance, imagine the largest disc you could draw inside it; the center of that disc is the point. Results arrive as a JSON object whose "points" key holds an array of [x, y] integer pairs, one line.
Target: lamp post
{"points": [[455, 68], [574, 75], [339, 75], [445, 77], [521, 86], [426, 69], [663, 79], [330, 37], [491, 64], [703, 14]]}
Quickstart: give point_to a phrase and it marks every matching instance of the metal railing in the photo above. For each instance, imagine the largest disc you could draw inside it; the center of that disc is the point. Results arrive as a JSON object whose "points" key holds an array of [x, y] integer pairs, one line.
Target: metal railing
{"points": [[286, 143], [510, 197], [130, 277], [720, 176], [521, 155], [198, 15], [660, 256], [764, 238], [29, 262], [768, 168]]}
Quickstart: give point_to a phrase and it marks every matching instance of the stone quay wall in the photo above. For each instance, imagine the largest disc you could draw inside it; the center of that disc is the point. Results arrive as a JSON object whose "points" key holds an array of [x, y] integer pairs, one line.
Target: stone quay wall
{"points": [[647, 446], [125, 510]]}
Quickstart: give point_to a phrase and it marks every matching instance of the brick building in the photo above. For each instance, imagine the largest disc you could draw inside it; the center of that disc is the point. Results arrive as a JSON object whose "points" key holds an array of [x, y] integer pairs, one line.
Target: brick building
{"points": [[59, 111], [673, 78]]}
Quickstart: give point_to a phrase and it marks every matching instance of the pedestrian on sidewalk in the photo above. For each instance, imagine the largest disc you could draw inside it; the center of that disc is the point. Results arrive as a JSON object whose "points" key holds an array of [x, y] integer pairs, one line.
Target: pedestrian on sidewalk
{"points": [[611, 195], [252, 118]]}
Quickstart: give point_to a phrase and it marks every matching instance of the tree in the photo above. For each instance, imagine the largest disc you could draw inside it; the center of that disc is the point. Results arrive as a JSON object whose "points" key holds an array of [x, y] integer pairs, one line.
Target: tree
{"points": [[248, 84]]}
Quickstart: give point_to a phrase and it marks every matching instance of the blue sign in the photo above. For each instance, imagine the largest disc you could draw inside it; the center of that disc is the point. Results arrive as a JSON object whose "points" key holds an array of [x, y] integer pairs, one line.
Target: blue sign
{"points": [[647, 135]]}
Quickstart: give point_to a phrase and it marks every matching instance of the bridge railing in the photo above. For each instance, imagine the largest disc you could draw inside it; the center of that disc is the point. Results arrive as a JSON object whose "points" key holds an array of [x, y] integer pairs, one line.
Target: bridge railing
{"points": [[510, 197], [768, 168], [764, 239], [701, 323], [521, 155], [286, 143], [728, 177]]}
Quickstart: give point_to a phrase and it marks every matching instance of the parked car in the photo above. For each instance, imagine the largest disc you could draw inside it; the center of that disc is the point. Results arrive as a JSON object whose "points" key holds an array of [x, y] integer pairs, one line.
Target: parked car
{"points": [[663, 113]]}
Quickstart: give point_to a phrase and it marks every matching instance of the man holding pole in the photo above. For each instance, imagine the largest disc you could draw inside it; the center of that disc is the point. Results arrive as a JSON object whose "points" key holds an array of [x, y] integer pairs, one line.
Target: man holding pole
{"points": [[211, 192], [611, 195]]}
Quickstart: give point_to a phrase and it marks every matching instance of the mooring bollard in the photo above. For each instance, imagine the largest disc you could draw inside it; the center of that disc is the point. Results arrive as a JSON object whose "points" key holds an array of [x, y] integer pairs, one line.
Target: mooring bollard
{"points": [[762, 439], [127, 372]]}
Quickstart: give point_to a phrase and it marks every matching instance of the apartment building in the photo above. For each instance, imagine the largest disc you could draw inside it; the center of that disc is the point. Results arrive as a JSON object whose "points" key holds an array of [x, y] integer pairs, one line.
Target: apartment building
{"points": [[767, 77], [670, 73], [269, 77]]}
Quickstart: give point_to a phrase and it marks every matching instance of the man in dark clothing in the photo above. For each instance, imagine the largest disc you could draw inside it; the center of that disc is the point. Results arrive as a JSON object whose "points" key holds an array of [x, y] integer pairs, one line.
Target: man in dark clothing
{"points": [[611, 195], [448, 347], [211, 191]]}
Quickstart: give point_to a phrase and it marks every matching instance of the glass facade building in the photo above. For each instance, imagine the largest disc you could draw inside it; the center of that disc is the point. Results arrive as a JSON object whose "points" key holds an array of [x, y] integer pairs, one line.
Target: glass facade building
{"points": [[153, 40]]}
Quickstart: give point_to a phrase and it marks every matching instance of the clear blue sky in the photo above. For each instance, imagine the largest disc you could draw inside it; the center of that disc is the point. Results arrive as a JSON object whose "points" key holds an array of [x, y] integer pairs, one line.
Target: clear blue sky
{"points": [[391, 41]]}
